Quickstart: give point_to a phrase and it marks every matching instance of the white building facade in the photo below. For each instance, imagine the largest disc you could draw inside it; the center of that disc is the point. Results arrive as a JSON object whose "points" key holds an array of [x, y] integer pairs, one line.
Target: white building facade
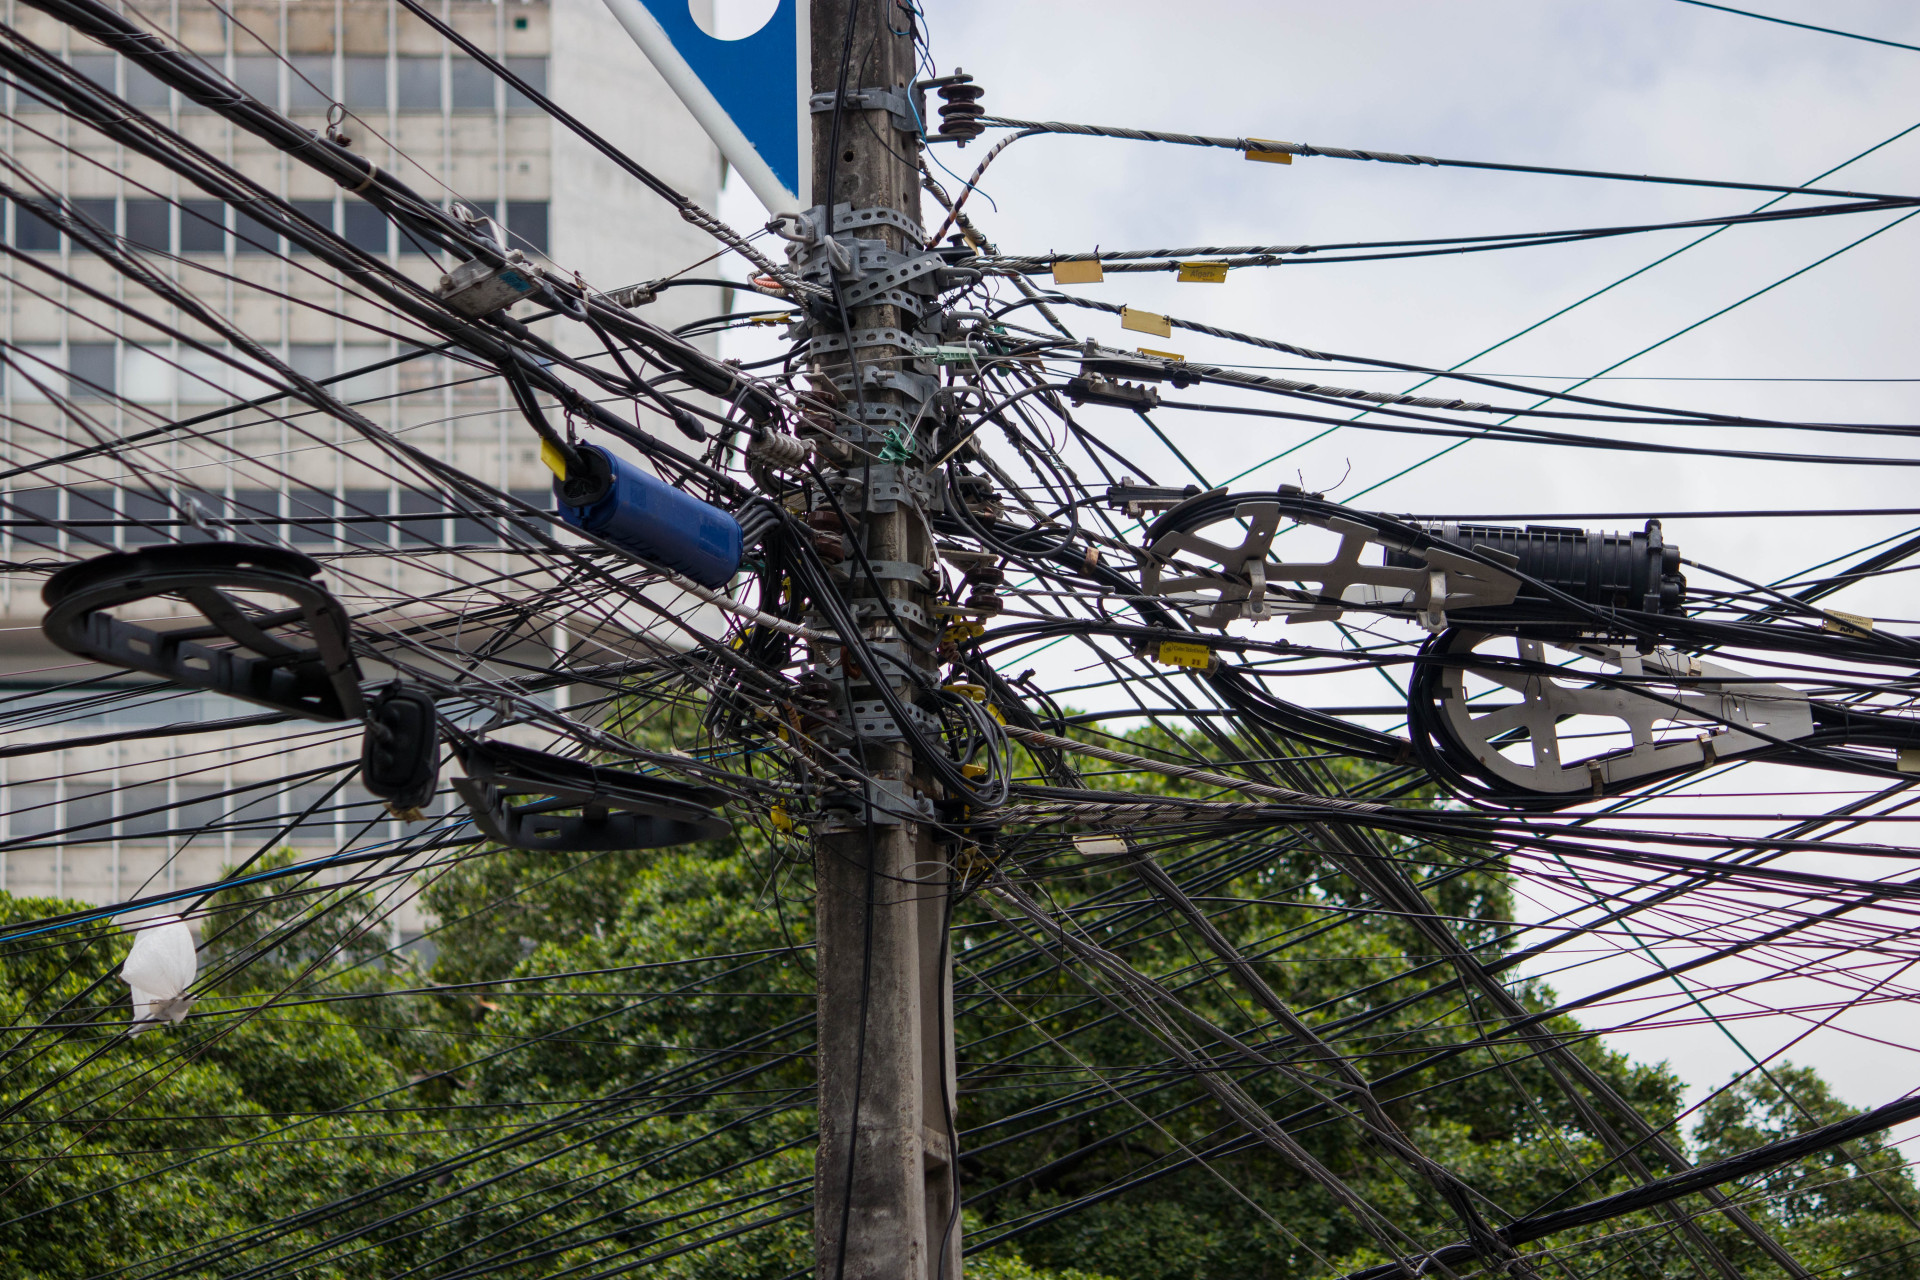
{"points": [[151, 814]]}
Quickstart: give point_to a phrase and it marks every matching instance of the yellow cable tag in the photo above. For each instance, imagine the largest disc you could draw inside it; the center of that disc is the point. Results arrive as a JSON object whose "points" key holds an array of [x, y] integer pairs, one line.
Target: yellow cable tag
{"points": [[971, 771], [1163, 355], [973, 691], [1079, 272], [551, 456], [1145, 322], [1175, 653], [962, 631], [1203, 273], [1838, 621], [1258, 149]]}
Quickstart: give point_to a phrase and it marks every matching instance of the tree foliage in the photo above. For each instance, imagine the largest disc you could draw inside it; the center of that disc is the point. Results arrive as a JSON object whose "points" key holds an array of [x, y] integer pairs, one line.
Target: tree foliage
{"points": [[609, 1064]]}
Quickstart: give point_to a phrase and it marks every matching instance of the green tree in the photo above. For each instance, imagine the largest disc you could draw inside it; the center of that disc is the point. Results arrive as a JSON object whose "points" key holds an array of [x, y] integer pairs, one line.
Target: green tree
{"points": [[1850, 1211], [622, 1077]]}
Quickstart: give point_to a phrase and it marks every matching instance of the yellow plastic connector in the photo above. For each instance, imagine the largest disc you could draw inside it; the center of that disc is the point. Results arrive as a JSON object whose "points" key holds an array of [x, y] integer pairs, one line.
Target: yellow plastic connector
{"points": [[1203, 273], [1176, 653]]}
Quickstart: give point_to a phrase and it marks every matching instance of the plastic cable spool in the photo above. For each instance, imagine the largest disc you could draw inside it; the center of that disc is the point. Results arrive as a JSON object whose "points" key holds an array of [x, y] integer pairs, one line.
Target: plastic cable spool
{"points": [[1613, 570], [1551, 734], [619, 809], [400, 757], [292, 658], [616, 500]]}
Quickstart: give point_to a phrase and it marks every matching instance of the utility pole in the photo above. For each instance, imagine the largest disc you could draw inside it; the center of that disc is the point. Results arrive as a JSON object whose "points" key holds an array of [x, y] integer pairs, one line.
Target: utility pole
{"points": [[885, 1205]]}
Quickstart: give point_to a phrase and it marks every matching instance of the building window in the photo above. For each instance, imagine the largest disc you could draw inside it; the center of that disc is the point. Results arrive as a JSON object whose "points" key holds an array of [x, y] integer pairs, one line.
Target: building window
{"points": [[470, 85], [366, 84], [90, 371], [311, 360], [33, 233], [258, 75], [94, 515], [33, 513], [35, 373], [203, 226], [310, 82], [202, 377], [366, 228], [150, 225], [534, 72], [253, 236], [309, 516], [364, 518], [98, 212], [318, 211], [527, 224], [422, 519], [97, 67], [417, 83], [145, 90], [25, 100], [362, 387], [149, 519], [146, 377]]}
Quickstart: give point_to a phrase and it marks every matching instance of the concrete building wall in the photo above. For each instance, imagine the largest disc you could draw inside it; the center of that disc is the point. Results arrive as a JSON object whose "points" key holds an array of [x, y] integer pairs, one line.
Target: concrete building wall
{"points": [[423, 114]]}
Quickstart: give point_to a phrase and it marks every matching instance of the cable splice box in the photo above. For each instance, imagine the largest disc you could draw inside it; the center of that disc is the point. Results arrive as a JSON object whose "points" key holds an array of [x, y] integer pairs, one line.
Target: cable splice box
{"points": [[642, 513], [1614, 570]]}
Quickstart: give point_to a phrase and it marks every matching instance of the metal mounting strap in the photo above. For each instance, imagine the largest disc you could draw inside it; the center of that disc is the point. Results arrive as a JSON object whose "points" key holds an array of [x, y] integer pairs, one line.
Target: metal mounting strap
{"points": [[904, 570], [912, 269], [863, 338], [892, 101], [918, 387]]}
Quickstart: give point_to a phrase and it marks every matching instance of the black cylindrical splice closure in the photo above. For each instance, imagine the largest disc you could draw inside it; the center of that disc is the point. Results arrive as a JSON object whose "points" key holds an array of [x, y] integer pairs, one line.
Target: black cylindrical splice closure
{"points": [[1638, 571], [400, 756]]}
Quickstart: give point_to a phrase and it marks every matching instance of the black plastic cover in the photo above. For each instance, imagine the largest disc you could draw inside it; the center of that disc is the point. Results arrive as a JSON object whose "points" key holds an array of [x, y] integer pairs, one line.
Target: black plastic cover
{"points": [[619, 809], [1639, 571], [400, 757], [294, 659]]}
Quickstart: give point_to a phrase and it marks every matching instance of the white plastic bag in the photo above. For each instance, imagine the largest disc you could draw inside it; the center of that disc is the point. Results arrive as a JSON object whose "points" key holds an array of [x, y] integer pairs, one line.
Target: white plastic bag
{"points": [[160, 968]]}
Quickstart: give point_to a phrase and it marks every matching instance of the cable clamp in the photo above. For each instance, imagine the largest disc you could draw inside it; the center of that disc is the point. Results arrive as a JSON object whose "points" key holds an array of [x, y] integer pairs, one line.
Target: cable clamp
{"points": [[892, 101], [475, 289], [883, 801], [872, 720]]}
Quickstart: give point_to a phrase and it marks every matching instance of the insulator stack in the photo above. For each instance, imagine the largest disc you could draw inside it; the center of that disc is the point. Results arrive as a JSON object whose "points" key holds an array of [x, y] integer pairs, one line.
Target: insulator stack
{"points": [[960, 109]]}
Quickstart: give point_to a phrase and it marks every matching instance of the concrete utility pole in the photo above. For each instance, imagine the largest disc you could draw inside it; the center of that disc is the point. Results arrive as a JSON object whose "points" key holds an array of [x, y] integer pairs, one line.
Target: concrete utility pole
{"points": [[884, 1182]]}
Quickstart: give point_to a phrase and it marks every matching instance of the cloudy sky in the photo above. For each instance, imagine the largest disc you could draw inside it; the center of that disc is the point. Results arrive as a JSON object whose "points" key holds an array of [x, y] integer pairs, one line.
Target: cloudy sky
{"points": [[1644, 86]]}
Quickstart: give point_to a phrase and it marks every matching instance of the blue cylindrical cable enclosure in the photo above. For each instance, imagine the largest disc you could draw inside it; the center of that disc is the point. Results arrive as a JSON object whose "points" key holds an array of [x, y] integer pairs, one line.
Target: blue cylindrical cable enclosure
{"points": [[644, 514]]}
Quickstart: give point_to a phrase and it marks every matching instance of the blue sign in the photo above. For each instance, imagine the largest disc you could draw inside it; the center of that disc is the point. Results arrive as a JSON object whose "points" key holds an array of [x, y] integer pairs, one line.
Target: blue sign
{"points": [[750, 95]]}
